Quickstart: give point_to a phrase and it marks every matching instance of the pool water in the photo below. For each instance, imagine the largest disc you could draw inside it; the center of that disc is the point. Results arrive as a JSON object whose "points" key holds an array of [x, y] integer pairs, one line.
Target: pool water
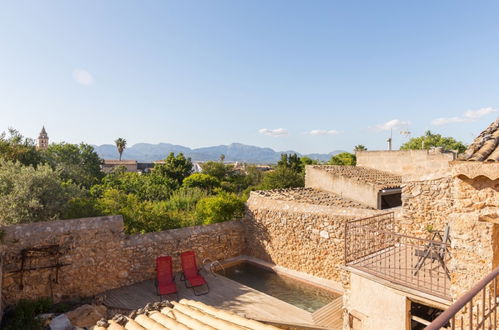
{"points": [[295, 292]]}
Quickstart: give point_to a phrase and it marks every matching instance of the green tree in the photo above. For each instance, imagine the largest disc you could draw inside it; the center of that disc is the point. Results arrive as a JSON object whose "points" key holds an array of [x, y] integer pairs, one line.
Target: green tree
{"points": [[359, 147], [430, 140], [120, 145], [282, 177], [151, 186], [308, 161], [201, 180], [344, 158], [29, 195], [182, 206], [15, 147], [291, 161], [217, 169], [219, 208], [175, 167], [139, 216], [79, 164]]}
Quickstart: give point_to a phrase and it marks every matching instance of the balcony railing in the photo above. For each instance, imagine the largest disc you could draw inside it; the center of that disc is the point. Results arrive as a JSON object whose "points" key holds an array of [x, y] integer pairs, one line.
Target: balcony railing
{"points": [[476, 309], [372, 246]]}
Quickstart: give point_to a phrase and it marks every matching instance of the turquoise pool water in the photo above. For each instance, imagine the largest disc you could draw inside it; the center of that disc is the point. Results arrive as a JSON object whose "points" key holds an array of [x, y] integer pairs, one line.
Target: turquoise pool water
{"points": [[295, 292]]}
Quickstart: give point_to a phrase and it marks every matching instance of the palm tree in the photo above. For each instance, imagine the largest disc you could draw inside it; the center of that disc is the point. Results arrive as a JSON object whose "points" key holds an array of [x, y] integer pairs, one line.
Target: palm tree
{"points": [[120, 145], [359, 147]]}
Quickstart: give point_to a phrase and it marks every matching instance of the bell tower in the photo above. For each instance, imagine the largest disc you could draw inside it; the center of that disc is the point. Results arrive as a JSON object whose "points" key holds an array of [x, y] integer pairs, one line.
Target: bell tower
{"points": [[43, 139]]}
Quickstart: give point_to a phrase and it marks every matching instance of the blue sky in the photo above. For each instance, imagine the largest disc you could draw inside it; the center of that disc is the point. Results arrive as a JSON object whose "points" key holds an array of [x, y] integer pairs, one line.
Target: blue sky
{"points": [[312, 76]]}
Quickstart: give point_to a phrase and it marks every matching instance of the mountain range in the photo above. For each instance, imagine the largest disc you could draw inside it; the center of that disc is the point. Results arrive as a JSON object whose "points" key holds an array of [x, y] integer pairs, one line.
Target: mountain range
{"points": [[235, 152]]}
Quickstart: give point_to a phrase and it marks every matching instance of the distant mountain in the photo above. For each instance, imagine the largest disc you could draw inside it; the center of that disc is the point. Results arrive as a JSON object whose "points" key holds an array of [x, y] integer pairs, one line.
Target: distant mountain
{"points": [[235, 152]]}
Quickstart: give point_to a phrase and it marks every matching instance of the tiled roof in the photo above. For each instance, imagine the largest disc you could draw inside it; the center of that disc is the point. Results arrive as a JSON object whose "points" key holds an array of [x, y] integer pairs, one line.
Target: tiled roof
{"points": [[184, 315], [380, 179], [119, 162], [310, 196], [486, 146]]}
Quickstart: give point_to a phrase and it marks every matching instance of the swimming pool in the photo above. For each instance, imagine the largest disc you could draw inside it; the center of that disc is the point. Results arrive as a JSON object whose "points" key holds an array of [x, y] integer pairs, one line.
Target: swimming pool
{"points": [[290, 290]]}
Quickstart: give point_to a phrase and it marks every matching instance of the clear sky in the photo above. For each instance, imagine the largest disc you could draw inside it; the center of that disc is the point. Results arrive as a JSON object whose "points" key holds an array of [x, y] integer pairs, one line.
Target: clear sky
{"points": [[312, 76]]}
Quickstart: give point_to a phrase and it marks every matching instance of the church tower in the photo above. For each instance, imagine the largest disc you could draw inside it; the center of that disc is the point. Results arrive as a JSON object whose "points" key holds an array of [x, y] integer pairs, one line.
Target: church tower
{"points": [[43, 140]]}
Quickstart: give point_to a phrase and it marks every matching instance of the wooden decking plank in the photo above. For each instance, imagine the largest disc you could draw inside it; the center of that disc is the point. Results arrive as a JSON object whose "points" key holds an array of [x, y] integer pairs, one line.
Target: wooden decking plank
{"points": [[224, 294]]}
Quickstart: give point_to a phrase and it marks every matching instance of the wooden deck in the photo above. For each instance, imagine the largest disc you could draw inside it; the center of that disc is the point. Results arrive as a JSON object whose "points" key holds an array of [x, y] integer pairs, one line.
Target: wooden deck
{"points": [[224, 294]]}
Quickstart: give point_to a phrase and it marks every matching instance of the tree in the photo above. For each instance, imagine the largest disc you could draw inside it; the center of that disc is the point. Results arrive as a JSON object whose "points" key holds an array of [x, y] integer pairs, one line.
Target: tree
{"points": [[201, 180], [15, 147], [291, 161], [344, 158], [120, 145], [79, 164], [29, 195], [359, 147], [221, 158], [175, 167], [151, 187], [282, 177], [308, 161], [219, 208], [217, 169], [431, 140], [139, 216]]}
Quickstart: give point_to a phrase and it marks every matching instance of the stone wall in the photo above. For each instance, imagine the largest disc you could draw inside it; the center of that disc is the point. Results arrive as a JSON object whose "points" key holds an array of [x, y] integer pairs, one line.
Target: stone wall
{"points": [[95, 255], [406, 162], [475, 233], [300, 236], [426, 203]]}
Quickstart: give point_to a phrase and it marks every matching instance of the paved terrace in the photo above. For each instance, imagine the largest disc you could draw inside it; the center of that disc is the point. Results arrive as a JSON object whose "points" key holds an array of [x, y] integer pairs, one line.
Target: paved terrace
{"points": [[310, 196], [377, 178]]}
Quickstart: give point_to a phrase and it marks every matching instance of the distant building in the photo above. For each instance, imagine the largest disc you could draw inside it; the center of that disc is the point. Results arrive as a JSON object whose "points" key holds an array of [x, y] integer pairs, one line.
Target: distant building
{"points": [[109, 164], [43, 140]]}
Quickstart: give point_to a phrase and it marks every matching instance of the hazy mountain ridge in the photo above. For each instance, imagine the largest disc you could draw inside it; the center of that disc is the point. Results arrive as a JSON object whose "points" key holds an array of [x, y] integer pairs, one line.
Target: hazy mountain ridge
{"points": [[235, 152]]}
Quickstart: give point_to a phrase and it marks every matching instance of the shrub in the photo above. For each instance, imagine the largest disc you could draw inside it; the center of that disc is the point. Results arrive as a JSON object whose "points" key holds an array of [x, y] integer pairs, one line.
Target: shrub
{"points": [[282, 177], [24, 314], [219, 208], [201, 180], [29, 195]]}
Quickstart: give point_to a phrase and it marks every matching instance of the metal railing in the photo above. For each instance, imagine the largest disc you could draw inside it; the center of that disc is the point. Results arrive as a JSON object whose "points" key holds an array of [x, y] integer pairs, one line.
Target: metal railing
{"points": [[372, 246], [476, 309]]}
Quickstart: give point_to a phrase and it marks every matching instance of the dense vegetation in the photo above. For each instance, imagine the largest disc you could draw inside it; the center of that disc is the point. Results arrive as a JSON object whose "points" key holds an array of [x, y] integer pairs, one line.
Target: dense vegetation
{"points": [[430, 140], [65, 181]]}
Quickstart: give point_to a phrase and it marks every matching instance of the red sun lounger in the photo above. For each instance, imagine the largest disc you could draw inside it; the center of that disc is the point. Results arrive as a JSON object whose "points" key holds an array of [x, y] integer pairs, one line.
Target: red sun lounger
{"points": [[190, 273], [165, 279]]}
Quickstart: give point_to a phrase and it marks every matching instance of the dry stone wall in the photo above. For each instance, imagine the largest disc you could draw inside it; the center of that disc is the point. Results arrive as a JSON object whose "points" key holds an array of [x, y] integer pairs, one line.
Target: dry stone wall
{"points": [[303, 237], [95, 255], [425, 204]]}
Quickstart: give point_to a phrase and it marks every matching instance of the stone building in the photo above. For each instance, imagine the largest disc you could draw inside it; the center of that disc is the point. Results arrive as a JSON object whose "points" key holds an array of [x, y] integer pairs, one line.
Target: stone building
{"points": [[406, 265], [43, 139]]}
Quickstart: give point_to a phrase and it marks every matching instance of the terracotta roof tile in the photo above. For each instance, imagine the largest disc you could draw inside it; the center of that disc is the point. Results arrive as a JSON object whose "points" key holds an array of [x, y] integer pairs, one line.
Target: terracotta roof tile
{"points": [[486, 146], [183, 315]]}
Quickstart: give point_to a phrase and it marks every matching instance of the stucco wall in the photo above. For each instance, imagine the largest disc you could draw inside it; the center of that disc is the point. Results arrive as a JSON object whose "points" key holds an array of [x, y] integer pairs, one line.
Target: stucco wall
{"points": [[97, 255], [382, 307], [405, 162], [303, 237], [359, 192]]}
